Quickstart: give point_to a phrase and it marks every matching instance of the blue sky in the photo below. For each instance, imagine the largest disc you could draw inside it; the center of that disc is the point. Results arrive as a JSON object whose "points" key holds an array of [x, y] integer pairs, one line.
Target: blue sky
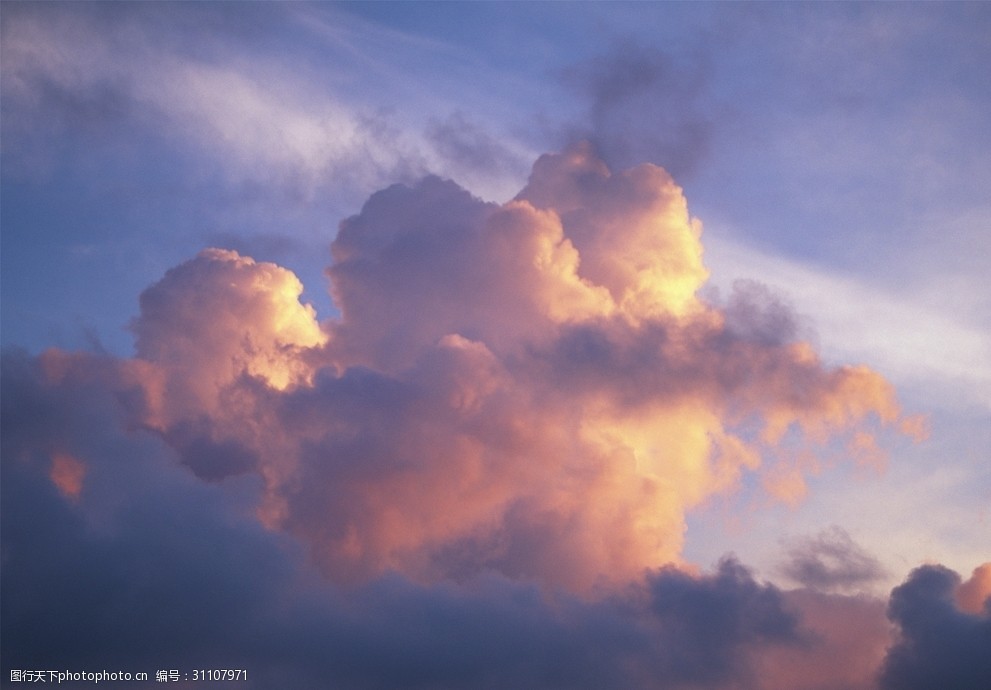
{"points": [[837, 156], [846, 139]]}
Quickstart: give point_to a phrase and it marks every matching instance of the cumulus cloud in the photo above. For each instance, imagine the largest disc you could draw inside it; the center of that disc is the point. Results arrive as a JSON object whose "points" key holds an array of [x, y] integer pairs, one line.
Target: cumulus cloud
{"points": [[496, 371], [220, 315], [938, 645], [505, 429], [533, 388], [149, 567]]}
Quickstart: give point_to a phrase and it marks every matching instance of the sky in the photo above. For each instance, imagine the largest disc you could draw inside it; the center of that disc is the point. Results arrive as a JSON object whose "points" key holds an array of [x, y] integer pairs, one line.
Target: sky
{"points": [[485, 345]]}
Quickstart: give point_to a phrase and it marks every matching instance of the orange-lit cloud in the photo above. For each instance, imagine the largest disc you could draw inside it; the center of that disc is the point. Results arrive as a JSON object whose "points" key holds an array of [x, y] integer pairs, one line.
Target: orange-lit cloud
{"points": [[67, 473], [972, 595], [533, 388], [220, 316], [845, 638], [506, 428]]}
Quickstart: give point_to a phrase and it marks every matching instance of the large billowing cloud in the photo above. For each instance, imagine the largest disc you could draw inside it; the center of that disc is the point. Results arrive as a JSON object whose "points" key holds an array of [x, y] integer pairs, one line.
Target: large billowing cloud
{"points": [[533, 388], [503, 431], [147, 567]]}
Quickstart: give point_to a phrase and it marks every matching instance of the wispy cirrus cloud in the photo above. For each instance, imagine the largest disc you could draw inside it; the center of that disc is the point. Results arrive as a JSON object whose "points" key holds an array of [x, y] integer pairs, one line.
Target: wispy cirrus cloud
{"points": [[262, 119], [919, 336]]}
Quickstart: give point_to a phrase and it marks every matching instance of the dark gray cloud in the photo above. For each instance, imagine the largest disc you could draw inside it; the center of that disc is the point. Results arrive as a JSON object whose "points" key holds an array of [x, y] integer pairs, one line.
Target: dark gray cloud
{"points": [[705, 620], [152, 568], [831, 560], [646, 105], [755, 312], [210, 458], [145, 564], [938, 645]]}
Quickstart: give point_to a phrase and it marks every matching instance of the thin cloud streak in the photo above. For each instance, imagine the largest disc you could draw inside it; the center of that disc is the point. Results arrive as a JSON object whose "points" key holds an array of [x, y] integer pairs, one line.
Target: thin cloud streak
{"points": [[265, 120], [916, 344]]}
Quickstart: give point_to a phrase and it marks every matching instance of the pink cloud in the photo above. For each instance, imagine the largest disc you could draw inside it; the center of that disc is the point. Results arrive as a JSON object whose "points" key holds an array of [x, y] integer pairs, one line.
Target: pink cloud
{"points": [[67, 473], [533, 388], [506, 428], [972, 594]]}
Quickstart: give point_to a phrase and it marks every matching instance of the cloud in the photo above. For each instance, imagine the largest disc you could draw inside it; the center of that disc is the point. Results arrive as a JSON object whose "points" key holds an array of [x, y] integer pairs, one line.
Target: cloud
{"points": [[645, 104], [660, 634], [531, 388], [312, 125], [504, 430], [831, 561], [859, 320], [842, 644], [221, 314], [149, 567], [473, 153], [972, 595], [67, 474], [938, 645], [188, 75], [144, 564], [564, 326]]}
